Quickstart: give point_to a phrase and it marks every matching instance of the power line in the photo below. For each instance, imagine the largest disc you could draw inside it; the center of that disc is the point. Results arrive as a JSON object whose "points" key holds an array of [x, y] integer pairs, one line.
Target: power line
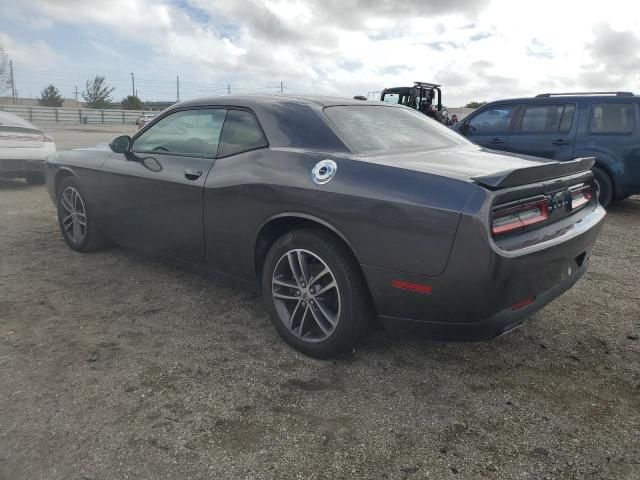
{"points": [[154, 89]]}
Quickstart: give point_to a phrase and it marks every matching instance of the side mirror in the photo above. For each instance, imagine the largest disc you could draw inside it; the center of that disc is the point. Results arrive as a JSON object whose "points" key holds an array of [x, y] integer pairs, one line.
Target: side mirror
{"points": [[121, 144]]}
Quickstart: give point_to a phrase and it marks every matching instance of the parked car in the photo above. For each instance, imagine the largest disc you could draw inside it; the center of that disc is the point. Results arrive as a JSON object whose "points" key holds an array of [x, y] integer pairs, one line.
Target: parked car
{"points": [[23, 149], [340, 211], [144, 119], [565, 126]]}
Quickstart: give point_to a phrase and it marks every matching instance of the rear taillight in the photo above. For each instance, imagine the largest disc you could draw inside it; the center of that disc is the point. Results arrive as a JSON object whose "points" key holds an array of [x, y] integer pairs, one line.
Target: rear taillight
{"points": [[581, 196], [47, 138], [514, 217]]}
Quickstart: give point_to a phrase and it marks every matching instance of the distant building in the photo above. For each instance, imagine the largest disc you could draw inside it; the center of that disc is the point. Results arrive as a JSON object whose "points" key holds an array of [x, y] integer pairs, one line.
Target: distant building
{"points": [[157, 106]]}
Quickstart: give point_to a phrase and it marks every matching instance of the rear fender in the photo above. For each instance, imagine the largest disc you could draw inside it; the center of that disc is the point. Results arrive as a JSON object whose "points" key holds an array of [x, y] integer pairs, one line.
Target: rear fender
{"points": [[606, 162]]}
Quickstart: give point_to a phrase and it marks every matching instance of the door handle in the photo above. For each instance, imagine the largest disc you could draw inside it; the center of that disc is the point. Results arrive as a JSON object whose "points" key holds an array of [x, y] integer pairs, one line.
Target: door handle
{"points": [[560, 142], [192, 174], [496, 141]]}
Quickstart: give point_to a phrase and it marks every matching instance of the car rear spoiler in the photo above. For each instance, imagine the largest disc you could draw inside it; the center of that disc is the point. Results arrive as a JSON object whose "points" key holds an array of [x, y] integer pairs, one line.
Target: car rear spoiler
{"points": [[538, 173]]}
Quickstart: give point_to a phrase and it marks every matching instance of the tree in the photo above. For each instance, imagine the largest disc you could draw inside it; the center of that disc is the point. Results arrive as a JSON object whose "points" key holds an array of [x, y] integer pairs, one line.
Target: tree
{"points": [[475, 104], [97, 94], [5, 79], [132, 103], [50, 97]]}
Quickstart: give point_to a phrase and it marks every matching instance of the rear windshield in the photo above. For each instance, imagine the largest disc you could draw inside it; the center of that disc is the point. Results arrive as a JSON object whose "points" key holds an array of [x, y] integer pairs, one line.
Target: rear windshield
{"points": [[379, 129]]}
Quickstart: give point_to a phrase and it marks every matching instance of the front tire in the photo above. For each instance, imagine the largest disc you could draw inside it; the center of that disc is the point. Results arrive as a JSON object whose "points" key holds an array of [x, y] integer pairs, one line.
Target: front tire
{"points": [[74, 217], [604, 186], [315, 293]]}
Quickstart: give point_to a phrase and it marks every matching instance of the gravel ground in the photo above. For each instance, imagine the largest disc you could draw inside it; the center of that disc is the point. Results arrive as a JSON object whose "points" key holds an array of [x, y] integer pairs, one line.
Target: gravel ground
{"points": [[116, 365]]}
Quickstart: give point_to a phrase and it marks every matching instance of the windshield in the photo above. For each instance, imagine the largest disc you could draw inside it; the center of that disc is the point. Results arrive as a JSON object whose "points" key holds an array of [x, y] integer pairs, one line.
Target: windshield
{"points": [[381, 129]]}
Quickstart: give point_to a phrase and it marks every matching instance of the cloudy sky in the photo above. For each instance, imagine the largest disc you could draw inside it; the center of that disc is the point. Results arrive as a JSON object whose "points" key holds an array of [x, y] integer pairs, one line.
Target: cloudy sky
{"points": [[478, 49]]}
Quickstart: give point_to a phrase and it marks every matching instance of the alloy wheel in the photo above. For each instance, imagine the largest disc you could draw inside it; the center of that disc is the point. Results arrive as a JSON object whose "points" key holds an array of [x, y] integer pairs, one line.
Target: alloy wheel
{"points": [[74, 217], [306, 295]]}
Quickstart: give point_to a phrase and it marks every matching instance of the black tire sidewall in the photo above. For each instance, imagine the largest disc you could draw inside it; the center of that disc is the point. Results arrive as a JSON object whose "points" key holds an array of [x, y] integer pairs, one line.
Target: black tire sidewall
{"points": [[605, 185], [351, 299], [72, 182]]}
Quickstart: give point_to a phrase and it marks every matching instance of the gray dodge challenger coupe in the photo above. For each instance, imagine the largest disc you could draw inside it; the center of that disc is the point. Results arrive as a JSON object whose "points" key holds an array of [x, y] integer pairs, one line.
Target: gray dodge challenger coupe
{"points": [[342, 211]]}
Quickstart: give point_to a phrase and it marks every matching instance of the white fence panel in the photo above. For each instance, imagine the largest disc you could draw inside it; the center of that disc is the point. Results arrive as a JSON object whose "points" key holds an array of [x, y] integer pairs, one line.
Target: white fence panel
{"points": [[73, 115]]}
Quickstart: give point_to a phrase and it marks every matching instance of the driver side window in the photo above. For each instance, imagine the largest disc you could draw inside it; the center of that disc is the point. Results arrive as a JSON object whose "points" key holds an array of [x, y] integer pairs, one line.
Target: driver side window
{"points": [[494, 119], [193, 133]]}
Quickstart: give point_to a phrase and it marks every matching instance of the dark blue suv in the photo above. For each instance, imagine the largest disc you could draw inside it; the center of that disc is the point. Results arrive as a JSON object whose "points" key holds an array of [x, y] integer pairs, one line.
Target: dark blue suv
{"points": [[564, 126]]}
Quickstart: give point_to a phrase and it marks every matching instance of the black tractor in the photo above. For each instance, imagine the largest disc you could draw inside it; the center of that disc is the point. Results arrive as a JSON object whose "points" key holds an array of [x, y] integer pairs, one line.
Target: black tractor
{"points": [[424, 97]]}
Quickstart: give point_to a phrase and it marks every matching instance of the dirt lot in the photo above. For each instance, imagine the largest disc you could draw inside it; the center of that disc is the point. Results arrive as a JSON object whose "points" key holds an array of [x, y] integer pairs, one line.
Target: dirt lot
{"points": [[115, 365]]}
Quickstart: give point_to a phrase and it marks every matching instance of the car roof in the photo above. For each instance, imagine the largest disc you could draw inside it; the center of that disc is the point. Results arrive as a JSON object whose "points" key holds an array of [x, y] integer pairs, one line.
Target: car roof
{"points": [[288, 121], [566, 97], [271, 99]]}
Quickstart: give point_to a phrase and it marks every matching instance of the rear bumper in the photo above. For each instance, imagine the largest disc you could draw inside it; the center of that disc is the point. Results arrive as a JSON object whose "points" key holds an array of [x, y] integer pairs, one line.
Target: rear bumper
{"points": [[478, 294], [494, 326], [18, 168]]}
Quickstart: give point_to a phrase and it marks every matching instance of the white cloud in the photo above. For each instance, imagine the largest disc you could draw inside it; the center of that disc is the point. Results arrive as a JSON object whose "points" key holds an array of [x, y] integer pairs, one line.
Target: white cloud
{"points": [[477, 49], [36, 52]]}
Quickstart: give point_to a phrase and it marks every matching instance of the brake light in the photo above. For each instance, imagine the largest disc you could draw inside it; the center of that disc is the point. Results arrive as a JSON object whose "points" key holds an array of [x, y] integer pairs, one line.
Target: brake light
{"points": [[47, 138], [581, 196], [519, 216]]}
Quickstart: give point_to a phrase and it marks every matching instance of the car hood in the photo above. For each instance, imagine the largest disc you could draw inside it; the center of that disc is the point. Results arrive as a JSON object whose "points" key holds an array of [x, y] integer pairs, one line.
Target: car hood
{"points": [[99, 147], [483, 166]]}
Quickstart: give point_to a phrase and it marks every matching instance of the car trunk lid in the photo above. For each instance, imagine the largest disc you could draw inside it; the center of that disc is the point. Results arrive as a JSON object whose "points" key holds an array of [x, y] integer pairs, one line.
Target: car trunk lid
{"points": [[20, 137], [491, 170]]}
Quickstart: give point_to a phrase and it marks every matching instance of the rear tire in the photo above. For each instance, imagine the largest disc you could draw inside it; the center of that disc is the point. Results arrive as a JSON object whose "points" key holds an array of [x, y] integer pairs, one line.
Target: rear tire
{"points": [[604, 186], [35, 179], [75, 219], [311, 315]]}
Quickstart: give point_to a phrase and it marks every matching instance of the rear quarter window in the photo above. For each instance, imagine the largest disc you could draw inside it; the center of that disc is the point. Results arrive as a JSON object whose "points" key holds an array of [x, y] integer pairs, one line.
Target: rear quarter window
{"points": [[612, 118], [240, 133]]}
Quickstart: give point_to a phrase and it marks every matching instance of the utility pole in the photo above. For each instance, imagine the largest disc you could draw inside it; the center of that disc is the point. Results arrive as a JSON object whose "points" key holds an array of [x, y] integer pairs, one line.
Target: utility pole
{"points": [[177, 88], [228, 89], [76, 95], [281, 87], [133, 85], [13, 83]]}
